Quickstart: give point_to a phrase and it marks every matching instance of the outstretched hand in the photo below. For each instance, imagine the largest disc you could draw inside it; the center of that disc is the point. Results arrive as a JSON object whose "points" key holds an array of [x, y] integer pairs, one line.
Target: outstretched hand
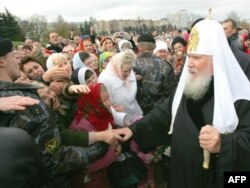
{"points": [[79, 89], [16, 103], [108, 136]]}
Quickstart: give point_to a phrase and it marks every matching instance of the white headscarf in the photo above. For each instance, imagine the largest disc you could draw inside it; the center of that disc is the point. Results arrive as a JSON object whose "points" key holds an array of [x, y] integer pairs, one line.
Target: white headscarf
{"points": [[54, 59], [122, 42], [49, 63], [77, 62], [81, 74], [230, 82]]}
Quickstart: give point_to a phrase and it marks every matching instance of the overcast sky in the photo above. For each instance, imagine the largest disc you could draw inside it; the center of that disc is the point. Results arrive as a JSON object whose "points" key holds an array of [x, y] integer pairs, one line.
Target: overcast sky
{"points": [[79, 10]]}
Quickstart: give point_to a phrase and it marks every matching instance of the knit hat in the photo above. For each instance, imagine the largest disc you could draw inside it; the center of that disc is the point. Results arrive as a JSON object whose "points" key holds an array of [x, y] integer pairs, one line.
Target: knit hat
{"points": [[5, 46], [146, 38], [122, 42], [160, 45]]}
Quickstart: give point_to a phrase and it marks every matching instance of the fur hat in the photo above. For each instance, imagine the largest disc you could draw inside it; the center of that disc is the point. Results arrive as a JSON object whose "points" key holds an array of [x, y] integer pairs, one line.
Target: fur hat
{"points": [[146, 38], [5, 46]]}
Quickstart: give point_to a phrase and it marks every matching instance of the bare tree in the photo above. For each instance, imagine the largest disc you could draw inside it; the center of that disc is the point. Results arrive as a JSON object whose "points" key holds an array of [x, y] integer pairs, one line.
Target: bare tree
{"points": [[35, 28], [61, 27], [241, 23], [234, 15], [244, 24]]}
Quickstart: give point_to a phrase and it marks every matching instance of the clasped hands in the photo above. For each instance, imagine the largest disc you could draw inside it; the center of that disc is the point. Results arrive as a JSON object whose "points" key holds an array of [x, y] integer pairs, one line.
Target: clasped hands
{"points": [[113, 137], [209, 137]]}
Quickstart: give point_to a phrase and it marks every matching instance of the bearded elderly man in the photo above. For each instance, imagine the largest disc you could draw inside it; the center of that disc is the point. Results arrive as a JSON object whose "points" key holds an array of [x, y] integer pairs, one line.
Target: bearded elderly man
{"points": [[206, 121]]}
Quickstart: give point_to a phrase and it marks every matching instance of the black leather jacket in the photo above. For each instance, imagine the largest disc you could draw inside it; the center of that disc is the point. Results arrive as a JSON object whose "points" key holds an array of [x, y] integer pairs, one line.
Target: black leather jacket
{"points": [[42, 125]]}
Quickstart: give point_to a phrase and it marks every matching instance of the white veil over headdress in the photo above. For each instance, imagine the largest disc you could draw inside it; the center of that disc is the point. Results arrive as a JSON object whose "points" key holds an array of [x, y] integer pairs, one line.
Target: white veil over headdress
{"points": [[230, 83]]}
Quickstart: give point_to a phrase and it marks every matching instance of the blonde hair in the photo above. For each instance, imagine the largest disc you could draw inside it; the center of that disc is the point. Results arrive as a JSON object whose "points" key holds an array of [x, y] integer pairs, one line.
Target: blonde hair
{"points": [[57, 58], [128, 57]]}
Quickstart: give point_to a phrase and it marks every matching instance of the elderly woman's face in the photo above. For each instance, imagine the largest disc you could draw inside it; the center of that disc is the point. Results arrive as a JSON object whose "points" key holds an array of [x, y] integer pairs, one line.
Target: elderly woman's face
{"points": [[126, 70]]}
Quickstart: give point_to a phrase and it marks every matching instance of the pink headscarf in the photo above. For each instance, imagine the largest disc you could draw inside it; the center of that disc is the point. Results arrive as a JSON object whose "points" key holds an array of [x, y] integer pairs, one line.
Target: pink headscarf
{"points": [[116, 62]]}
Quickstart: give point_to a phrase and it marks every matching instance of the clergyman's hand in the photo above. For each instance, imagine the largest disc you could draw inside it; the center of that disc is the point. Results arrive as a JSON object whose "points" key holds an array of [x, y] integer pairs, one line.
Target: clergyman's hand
{"points": [[210, 139], [125, 133]]}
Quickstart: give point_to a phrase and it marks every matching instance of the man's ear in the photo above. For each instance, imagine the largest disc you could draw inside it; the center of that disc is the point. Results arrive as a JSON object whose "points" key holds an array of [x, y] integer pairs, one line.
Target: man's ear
{"points": [[1, 62]]}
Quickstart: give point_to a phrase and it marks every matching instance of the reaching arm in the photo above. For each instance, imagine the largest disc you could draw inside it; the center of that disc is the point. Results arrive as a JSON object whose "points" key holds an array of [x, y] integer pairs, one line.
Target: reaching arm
{"points": [[16, 103]]}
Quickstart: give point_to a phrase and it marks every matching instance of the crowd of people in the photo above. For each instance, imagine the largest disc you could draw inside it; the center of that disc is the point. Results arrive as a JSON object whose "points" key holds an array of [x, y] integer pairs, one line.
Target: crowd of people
{"points": [[178, 100]]}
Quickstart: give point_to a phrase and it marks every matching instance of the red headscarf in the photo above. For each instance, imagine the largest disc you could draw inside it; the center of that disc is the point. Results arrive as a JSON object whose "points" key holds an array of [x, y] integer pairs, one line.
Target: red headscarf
{"points": [[91, 107]]}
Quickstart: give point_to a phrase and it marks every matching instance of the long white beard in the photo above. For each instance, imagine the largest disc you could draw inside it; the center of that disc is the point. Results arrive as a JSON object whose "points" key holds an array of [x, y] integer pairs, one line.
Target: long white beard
{"points": [[196, 88]]}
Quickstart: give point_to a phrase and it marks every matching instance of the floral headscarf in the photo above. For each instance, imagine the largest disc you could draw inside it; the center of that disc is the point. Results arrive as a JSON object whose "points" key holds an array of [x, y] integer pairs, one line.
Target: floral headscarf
{"points": [[102, 58], [91, 108]]}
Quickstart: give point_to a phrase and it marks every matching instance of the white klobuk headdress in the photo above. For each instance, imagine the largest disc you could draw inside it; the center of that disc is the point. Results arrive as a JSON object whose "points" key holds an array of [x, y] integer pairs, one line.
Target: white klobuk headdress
{"points": [[230, 83]]}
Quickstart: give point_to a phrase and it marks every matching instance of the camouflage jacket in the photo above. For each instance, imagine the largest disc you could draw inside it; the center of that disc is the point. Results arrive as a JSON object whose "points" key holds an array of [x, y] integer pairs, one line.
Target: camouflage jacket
{"points": [[42, 125], [158, 80]]}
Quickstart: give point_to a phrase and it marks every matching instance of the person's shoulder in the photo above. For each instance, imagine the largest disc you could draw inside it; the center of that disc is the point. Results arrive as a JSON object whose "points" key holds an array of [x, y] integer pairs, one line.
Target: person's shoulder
{"points": [[103, 76], [240, 53], [157, 60], [15, 86], [242, 57]]}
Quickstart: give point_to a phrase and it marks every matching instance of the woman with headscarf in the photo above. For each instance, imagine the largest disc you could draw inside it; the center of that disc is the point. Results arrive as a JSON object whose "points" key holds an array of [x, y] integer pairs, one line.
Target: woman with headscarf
{"points": [[84, 76], [119, 78], [95, 108], [104, 60]]}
